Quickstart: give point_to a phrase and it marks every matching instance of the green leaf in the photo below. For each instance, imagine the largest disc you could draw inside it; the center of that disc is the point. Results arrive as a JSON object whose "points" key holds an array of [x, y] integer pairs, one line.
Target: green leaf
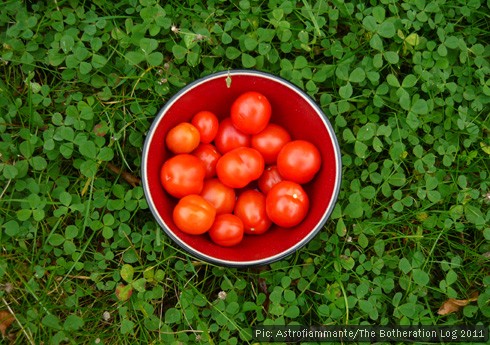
{"points": [[391, 57], [357, 75], [155, 59], [420, 277], [56, 240], [148, 45], [404, 265], [248, 60], [139, 284], [9, 171], [366, 132], [135, 58], [409, 81], [376, 43], [88, 149], [360, 149], [387, 29], [127, 272], [98, 61], [85, 67], [178, 51], [172, 315], [232, 53], [346, 91], [51, 321], [73, 323]]}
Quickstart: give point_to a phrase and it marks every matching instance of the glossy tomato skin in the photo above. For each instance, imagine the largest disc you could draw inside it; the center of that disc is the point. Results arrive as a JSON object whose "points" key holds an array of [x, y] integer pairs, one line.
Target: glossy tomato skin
{"points": [[287, 204], [229, 138], [299, 161], [183, 138], [209, 156], [194, 215], [269, 178], [250, 208], [251, 112], [270, 141], [239, 167], [227, 230], [207, 124], [222, 197], [182, 175]]}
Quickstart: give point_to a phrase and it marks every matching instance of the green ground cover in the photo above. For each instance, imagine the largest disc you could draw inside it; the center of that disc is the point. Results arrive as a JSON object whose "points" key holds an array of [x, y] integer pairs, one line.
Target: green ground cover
{"points": [[405, 84]]}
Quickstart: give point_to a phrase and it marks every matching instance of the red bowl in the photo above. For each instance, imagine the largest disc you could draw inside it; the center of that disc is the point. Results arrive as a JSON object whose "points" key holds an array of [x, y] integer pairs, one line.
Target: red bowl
{"points": [[291, 108]]}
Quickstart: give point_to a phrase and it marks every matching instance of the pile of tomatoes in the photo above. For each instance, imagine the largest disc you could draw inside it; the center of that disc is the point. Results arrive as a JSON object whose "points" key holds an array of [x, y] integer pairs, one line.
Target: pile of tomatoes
{"points": [[239, 175]]}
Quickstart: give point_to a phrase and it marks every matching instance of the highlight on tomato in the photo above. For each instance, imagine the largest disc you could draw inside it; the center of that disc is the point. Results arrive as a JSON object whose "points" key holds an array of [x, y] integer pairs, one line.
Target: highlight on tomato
{"points": [[229, 137], [299, 161], [194, 215], [287, 204], [222, 197], [270, 141], [269, 178], [209, 156], [207, 124], [238, 167], [251, 112], [227, 230], [182, 174], [183, 138], [250, 208]]}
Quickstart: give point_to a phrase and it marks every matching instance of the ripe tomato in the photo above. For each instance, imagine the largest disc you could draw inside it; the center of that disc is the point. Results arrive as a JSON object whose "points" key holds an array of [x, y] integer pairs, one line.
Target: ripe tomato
{"points": [[239, 167], [227, 230], [287, 204], [268, 179], [182, 175], [194, 215], [220, 196], [251, 112], [250, 208], [182, 138], [207, 123], [270, 141], [299, 161], [229, 138], [209, 155]]}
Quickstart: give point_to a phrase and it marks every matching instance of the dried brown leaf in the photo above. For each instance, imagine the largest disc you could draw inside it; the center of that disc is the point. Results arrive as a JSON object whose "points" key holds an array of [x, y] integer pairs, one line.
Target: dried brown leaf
{"points": [[453, 305], [129, 178], [6, 320]]}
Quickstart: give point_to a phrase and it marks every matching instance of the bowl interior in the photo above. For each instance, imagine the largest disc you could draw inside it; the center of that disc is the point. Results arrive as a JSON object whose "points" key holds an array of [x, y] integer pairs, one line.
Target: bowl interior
{"points": [[290, 109]]}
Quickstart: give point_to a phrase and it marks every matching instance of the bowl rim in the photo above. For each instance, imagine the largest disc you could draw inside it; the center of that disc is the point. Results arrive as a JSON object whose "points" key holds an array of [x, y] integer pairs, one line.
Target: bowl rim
{"points": [[251, 263]]}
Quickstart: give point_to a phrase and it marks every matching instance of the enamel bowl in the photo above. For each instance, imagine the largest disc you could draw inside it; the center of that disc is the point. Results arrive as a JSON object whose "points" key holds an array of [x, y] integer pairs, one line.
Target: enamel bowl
{"points": [[291, 108]]}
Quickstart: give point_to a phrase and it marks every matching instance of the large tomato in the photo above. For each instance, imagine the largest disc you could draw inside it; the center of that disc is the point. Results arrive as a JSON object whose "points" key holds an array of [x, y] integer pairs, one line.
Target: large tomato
{"points": [[183, 138], [287, 204], [239, 167], [251, 112], [269, 178], [299, 161], [250, 208], [207, 123], [227, 230], [270, 141], [182, 175], [194, 215], [220, 196], [229, 138], [209, 156]]}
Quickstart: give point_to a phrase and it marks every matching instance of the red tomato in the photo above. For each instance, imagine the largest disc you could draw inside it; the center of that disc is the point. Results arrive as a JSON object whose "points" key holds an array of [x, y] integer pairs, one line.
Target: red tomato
{"points": [[287, 204], [207, 123], [251, 112], [270, 141], [209, 155], [194, 215], [229, 138], [220, 196], [269, 178], [182, 138], [250, 208], [182, 175], [227, 230], [299, 161], [239, 167]]}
